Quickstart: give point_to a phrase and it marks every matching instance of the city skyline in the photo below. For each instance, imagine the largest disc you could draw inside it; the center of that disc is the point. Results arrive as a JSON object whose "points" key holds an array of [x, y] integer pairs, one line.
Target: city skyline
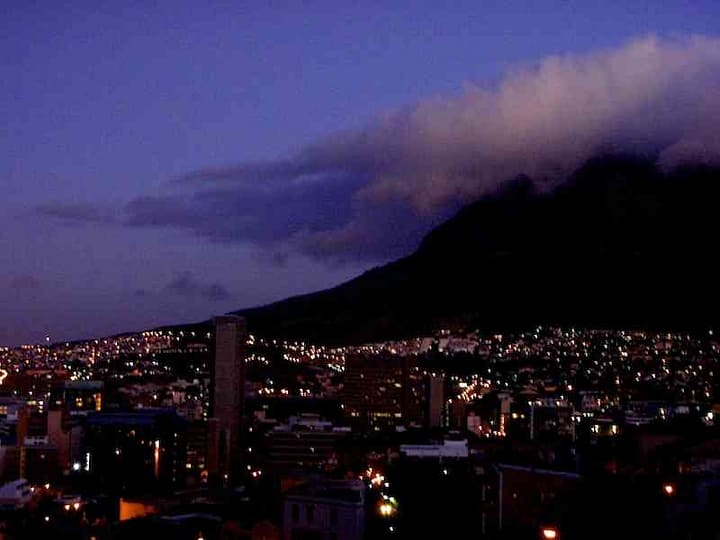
{"points": [[348, 271], [117, 118]]}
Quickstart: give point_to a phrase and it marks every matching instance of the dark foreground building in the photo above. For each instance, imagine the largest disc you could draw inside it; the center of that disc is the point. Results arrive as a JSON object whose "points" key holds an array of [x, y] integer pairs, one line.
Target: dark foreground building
{"points": [[383, 391], [227, 398], [131, 452]]}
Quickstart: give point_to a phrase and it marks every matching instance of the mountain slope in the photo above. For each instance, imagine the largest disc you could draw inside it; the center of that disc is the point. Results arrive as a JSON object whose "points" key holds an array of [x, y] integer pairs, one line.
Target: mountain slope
{"points": [[619, 244]]}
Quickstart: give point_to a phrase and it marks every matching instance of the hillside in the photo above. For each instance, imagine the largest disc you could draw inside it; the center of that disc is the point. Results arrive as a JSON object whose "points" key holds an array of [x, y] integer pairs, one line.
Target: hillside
{"points": [[619, 244]]}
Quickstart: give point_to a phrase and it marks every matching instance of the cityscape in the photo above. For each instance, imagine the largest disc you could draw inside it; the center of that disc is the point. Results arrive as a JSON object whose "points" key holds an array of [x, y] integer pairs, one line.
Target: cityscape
{"points": [[208, 431], [331, 270]]}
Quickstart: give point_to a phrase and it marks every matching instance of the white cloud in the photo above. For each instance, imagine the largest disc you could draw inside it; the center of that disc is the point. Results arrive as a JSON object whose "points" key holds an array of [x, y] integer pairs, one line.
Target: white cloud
{"points": [[371, 193]]}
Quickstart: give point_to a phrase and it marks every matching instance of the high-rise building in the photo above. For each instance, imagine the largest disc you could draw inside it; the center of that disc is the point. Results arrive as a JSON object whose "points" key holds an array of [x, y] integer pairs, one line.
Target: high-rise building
{"points": [[65, 433], [435, 400], [14, 419], [77, 397], [227, 397], [383, 391], [307, 442]]}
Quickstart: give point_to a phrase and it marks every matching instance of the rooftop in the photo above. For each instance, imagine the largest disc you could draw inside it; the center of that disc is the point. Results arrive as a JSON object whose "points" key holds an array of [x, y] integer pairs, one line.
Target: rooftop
{"points": [[345, 491]]}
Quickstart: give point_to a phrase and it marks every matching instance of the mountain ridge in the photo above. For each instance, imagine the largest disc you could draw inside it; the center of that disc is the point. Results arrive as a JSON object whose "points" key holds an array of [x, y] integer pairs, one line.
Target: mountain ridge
{"points": [[621, 243]]}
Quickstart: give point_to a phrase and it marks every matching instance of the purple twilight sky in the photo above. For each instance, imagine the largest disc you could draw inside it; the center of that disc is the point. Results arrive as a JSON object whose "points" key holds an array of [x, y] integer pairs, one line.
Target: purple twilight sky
{"points": [[166, 161]]}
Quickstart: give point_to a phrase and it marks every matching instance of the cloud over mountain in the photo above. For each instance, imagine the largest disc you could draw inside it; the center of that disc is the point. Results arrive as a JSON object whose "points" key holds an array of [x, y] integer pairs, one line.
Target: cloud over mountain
{"points": [[371, 193], [186, 284]]}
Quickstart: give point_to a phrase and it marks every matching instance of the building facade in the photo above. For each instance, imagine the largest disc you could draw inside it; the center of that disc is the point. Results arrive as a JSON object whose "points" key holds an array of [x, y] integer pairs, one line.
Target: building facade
{"points": [[383, 391], [325, 510], [227, 397]]}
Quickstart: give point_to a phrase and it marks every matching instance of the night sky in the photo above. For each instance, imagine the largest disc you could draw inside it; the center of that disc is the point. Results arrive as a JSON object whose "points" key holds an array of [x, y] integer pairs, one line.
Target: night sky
{"points": [[166, 161]]}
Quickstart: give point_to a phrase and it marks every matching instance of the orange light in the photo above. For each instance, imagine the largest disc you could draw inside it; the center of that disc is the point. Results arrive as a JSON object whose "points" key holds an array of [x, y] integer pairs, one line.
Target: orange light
{"points": [[549, 533], [386, 509], [669, 489]]}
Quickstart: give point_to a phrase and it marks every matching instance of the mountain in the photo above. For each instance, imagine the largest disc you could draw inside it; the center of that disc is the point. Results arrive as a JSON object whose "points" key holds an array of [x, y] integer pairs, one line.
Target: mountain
{"points": [[620, 244]]}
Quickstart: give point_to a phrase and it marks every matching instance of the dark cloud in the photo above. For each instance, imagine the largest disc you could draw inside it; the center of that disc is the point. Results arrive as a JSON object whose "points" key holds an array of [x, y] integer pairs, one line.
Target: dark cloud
{"points": [[371, 193], [322, 220], [71, 213], [186, 284], [25, 282], [259, 211]]}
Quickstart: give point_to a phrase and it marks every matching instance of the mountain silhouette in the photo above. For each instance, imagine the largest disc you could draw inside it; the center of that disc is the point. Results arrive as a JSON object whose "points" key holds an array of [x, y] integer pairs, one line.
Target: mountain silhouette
{"points": [[620, 244]]}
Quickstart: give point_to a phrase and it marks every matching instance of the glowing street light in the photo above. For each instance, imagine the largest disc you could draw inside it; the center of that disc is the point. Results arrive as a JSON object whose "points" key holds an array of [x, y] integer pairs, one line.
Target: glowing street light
{"points": [[668, 489], [549, 533], [386, 509]]}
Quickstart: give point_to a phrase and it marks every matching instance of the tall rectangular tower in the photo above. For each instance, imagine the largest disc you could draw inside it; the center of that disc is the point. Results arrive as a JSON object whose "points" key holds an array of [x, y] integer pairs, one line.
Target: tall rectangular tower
{"points": [[435, 400], [228, 396]]}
